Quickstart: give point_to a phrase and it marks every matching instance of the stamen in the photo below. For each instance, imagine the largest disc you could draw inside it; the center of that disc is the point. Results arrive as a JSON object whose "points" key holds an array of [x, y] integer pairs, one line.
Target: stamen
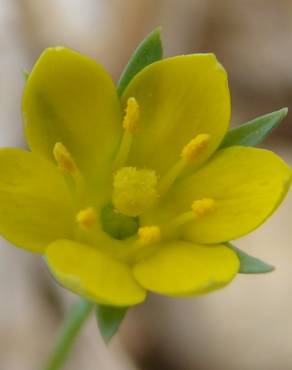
{"points": [[132, 114], [72, 174], [200, 208], [64, 159], [130, 125], [204, 207], [169, 178], [189, 154], [86, 218], [149, 234], [195, 147]]}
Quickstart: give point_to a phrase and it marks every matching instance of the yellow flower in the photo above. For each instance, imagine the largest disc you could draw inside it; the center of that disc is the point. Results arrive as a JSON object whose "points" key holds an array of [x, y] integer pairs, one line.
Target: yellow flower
{"points": [[132, 196]]}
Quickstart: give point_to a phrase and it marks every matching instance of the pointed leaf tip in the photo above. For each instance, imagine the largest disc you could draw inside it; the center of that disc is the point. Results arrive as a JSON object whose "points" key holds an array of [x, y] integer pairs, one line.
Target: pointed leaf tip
{"points": [[109, 319], [255, 131], [249, 264], [149, 51], [25, 74]]}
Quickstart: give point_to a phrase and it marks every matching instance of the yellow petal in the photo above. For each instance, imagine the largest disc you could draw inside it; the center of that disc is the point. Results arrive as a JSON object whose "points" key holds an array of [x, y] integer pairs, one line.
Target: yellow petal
{"points": [[34, 202], [246, 184], [71, 99], [179, 98], [186, 269], [87, 271]]}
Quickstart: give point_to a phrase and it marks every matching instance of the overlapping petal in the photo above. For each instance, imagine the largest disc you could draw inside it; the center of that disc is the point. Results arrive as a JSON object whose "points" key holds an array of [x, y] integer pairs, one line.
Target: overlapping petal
{"points": [[186, 269], [86, 270], [247, 185], [179, 98], [70, 98], [35, 205]]}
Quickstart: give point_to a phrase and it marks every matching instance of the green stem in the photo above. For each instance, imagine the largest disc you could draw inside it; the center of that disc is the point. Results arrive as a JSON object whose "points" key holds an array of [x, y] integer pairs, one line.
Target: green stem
{"points": [[68, 333]]}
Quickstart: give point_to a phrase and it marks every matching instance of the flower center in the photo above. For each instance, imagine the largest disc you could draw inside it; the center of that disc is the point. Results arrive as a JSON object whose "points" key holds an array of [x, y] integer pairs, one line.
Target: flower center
{"points": [[134, 190]]}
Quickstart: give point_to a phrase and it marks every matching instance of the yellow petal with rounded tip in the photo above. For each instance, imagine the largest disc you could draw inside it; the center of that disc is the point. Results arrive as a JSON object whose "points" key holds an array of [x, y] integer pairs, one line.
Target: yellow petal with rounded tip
{"points": [[246, 184], [71, 99], [34, 201], [87, 271], [186, 269], [179, 98]]}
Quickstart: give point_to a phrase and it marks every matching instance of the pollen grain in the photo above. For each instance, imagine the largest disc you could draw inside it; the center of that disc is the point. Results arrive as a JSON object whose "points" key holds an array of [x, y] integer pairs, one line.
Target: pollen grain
{"points": [[63, 158], [86, 218], [195, 147], [132, 115], [149, 234]]}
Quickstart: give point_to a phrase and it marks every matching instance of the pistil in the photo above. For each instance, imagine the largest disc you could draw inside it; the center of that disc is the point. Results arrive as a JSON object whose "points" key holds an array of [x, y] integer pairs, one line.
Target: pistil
{"points": [[134, 190]]}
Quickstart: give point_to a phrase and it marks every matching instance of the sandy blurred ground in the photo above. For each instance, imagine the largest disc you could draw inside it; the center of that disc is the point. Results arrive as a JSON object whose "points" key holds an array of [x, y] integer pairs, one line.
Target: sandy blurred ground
{"points": [[247, 326]]}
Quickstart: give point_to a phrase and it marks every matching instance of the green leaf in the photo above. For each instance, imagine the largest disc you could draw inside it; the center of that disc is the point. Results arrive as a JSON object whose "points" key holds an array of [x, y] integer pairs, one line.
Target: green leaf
{"points": [[149, 51], [109, 320], [254, 132], [25, 74], [249, 264]]}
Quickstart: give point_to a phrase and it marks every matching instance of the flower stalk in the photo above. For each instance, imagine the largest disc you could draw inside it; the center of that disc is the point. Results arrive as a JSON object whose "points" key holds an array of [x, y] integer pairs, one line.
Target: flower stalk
{"points": [[68, 334]]}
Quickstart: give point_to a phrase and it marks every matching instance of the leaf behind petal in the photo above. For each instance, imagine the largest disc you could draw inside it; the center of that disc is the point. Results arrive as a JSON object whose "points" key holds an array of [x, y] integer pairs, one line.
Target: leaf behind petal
{"points": [[249, 264], [109, 319], [25, 74], [149, 51], [255, 131]]}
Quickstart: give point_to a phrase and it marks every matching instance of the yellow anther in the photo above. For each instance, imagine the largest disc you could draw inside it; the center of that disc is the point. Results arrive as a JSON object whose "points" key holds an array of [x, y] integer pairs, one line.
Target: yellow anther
{"points": [[132, 114], [204, 207], [130, 124], [200, 208], [134, 190], [189, 153], [195, 147], [149, 234], [63, 158], [86, 218]]}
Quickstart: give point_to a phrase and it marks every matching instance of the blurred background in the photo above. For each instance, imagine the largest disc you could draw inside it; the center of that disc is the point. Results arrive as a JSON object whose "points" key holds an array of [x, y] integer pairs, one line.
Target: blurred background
{"points": [[247, 326]]}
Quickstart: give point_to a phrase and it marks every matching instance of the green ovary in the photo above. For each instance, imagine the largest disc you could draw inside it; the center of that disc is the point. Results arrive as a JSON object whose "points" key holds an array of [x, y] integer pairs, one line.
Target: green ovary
{"points": [[116, 224]]}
